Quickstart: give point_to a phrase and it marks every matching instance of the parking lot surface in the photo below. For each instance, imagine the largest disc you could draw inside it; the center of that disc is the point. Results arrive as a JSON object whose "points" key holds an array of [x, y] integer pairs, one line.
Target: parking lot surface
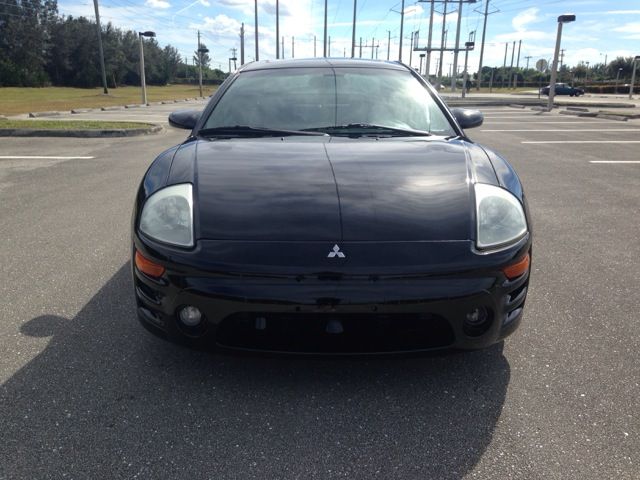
{"points": [[86, 392]]}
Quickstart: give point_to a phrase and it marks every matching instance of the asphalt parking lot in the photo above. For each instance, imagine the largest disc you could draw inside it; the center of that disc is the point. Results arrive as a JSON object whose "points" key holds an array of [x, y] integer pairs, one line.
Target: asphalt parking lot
{"points": [[86, 392]]}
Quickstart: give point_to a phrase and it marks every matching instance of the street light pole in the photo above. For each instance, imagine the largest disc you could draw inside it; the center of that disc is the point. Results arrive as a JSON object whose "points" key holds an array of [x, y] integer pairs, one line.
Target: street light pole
{"points": [[401, 31], [256, 29], [353, 32], [633, 76], [554, 67], [104, 74], [277, 29], [324, 44], [142, 79], [468, 46]]}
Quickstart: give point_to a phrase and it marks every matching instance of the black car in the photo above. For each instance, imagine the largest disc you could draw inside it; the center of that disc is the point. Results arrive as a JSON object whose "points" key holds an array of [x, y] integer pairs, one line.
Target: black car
{"points": [[563, 89], [330, 206]]}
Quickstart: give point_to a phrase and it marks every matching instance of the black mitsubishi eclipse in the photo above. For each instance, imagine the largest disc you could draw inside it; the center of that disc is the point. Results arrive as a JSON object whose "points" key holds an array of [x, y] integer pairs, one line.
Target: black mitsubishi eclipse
{"points": [[330, 206]]}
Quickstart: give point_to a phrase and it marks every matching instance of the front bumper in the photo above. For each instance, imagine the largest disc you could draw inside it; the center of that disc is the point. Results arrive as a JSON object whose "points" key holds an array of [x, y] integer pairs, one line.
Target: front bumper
{"points": [[333, 312]]}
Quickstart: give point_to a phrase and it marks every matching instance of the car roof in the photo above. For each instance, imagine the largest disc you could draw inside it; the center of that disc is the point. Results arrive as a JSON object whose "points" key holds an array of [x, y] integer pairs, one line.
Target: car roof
{"points": [[321, 62]]}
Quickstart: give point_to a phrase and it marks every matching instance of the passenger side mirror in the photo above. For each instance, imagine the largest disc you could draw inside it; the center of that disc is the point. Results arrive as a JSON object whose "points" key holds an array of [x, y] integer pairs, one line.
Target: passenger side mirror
{"points": [[468, 118], [186, 119]]}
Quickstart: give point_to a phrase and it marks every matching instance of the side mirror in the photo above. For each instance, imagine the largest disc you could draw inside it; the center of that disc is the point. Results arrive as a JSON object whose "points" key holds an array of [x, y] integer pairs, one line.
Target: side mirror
{"points": [[468, 118], [186, 119]]}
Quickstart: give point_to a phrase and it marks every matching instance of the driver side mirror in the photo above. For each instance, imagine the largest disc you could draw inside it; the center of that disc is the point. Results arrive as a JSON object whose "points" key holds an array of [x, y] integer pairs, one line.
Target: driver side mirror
{"points": [[186, 119], [468, 118]]}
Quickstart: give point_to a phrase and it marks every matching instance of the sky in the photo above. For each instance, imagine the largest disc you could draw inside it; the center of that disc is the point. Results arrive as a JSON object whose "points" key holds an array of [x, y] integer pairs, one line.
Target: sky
{"points": [[602, 30]]}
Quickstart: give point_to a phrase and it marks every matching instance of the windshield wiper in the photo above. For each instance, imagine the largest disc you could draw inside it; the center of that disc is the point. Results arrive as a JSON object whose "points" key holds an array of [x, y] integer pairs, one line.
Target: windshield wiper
{"points": [[248, 131], [368, 129]]}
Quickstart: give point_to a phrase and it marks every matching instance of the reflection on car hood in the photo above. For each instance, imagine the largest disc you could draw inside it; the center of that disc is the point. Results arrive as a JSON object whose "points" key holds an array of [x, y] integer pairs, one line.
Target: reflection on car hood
{"points": [[312, 189]]}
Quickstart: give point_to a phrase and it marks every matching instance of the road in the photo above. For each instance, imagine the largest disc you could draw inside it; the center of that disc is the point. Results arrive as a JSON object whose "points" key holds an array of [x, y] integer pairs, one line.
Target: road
{"points": [[86, 392]]}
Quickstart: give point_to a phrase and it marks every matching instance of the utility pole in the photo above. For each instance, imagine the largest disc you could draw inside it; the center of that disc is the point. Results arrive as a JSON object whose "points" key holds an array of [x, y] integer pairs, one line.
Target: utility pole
{"points": [[388, 43], [360, 47], [324, 49], [401, 31], [277, 28], [484, 33], [455, 52], [515, 75], [234, 51], [411, 49], [373, 42], [314, 46], [293, 47], [256, 26], [199, 64], [353, 31], [443, 42], [329, 47], [513, 51], [528, 57], [633, 76], [428, 67], [104, 73], [504, 66], [283, 46], [242, 44]]}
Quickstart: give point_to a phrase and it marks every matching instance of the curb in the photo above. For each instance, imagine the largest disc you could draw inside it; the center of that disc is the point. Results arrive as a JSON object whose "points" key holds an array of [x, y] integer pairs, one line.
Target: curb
{"points": [[44, 114], [32, 132], [612, 117], [579, 113], [82, 110], [111, 109]]}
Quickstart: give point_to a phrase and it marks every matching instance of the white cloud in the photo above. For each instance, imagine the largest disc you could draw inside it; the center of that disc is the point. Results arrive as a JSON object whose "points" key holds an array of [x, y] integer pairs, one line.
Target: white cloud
{"points": [[524, 18], [157, 4], [630, 28], [413, 10]]}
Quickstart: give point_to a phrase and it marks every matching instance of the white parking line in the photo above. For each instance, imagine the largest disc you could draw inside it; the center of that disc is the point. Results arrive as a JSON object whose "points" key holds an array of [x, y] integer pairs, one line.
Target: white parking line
{"points": [[40, 157], [614, 161], [573, 122], [584, 141], [568, 130], [514, 117]]}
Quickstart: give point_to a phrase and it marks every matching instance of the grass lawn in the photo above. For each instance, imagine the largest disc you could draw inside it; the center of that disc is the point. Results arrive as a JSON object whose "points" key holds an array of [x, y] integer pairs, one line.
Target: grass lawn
{"points": [[15, 100], [71, 125]]}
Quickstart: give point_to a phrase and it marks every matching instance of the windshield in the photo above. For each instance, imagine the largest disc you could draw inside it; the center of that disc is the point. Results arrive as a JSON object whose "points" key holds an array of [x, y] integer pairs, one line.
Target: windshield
{"points": [[317, 98]]}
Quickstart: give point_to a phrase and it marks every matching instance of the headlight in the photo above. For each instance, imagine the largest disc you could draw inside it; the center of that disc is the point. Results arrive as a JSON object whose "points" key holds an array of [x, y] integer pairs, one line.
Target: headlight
{"points": [[167, 215], [500, 217]]}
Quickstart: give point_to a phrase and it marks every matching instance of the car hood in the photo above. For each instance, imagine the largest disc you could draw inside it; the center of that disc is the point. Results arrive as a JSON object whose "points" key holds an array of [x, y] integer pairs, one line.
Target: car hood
{"points": [[314, 189]]}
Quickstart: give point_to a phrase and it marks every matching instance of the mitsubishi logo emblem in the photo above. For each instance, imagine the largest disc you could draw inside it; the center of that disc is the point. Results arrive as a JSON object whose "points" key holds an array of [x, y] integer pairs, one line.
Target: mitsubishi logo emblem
{"points": [[336, 252]]}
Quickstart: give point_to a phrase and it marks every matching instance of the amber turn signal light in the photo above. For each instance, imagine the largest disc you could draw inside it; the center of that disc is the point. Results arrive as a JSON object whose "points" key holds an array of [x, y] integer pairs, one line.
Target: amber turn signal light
{"points": [[516, 269], [148, 267]]}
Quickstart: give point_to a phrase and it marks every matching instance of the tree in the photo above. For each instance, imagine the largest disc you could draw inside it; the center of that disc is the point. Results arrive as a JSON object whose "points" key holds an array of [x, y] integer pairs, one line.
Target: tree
{"points": [[25, 40], [624, 63]]}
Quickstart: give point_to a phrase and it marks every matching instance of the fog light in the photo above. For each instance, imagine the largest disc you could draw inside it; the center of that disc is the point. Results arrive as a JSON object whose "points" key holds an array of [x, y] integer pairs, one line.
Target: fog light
{"points": [[477, 316], [477, 322], [190, 316]]}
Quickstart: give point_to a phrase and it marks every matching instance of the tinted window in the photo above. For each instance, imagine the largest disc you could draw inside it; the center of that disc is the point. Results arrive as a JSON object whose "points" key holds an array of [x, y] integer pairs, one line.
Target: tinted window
{"points": [[299, 98]]}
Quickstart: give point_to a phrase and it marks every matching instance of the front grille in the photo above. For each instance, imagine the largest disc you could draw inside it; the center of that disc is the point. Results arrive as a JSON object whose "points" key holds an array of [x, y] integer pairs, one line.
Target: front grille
{"points": [[362, 333]]}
